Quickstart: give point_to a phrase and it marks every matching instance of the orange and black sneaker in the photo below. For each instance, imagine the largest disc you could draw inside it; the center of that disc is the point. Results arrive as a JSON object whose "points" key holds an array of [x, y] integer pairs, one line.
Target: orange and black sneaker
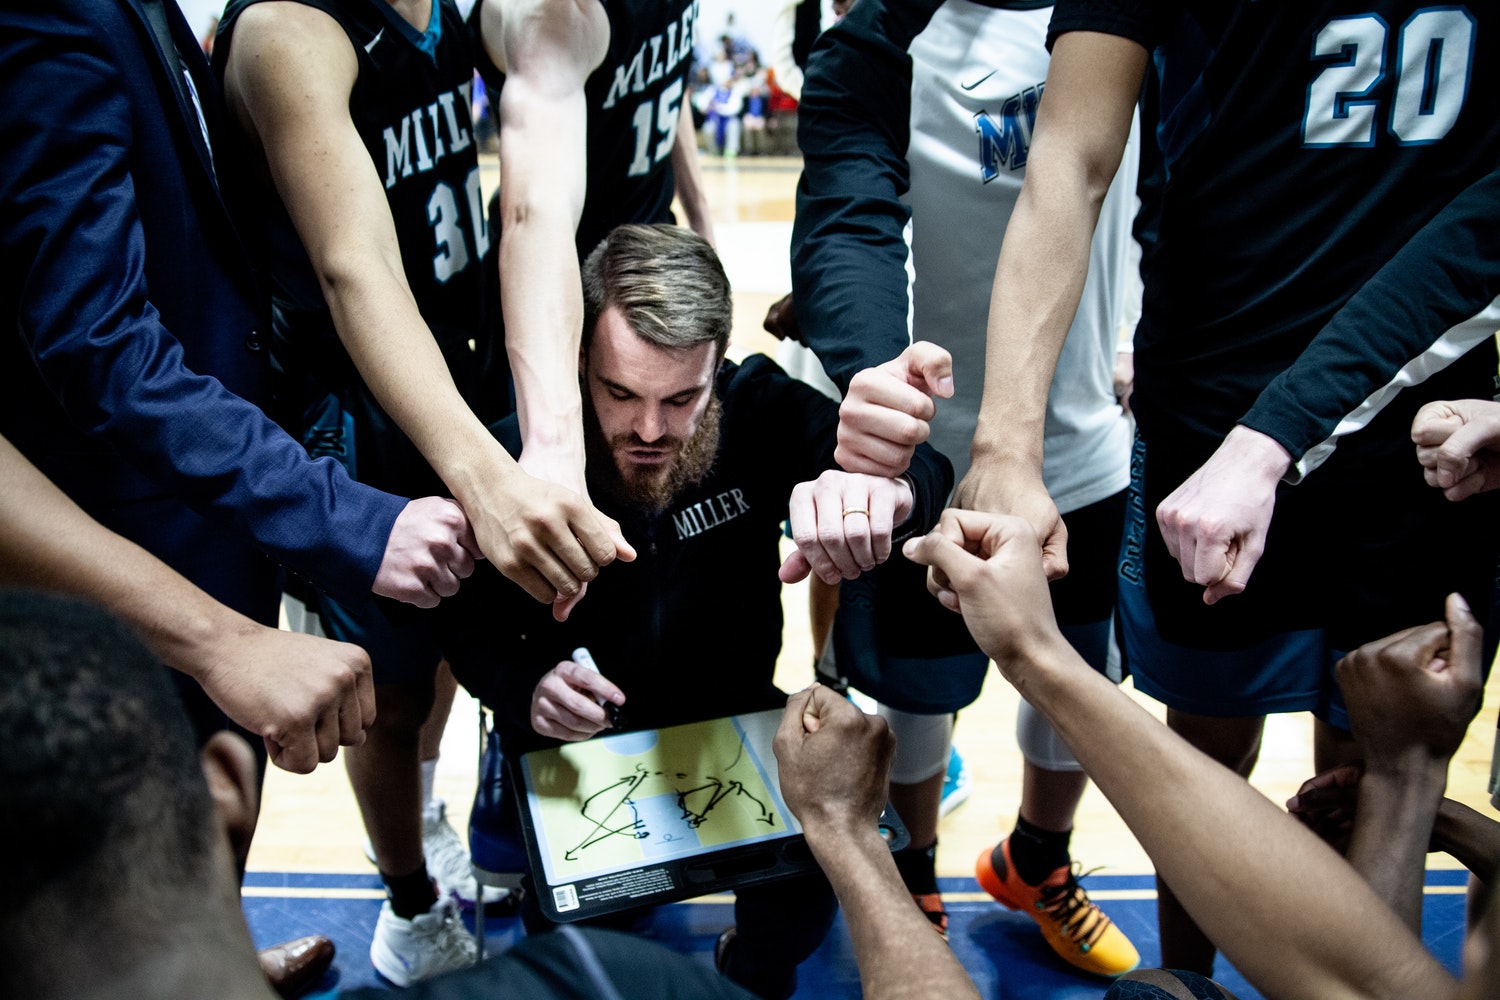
{"points": [[1076, 929], [931, 905]]}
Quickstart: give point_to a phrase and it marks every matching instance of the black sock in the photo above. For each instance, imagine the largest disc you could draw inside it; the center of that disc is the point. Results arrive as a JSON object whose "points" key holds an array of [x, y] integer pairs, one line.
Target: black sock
{"points": [[411, 895], [918, 868], [1038, 853]]}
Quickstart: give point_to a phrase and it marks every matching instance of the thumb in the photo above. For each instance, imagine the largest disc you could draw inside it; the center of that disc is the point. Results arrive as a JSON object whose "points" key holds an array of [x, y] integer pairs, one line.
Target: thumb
{"points": [[469, 542], [929, 367], [1435, 423], [1464, 636], [624, 551], [812, 711], [562, 606], [939, 552], [795, 568], [1463, 442]]}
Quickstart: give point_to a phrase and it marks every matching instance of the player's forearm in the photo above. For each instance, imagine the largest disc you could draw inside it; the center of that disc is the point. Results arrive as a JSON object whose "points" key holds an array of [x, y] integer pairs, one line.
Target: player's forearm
{"points": [[398, 358], [688, 177], [1082, 130], [1392, 829], [48, 542], [1038, 282], [898, 954], [1468, 836], [1213, 837], [543, 307]]}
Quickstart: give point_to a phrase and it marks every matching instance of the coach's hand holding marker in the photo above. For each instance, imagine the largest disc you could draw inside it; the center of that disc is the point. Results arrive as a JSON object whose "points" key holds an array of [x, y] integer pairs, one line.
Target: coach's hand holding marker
{"points": [[585, 659], [573, 701]]}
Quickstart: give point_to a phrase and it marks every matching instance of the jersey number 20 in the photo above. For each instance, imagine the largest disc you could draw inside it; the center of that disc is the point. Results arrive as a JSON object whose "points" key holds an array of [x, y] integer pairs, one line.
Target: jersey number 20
{"points": [[1434, 57]]}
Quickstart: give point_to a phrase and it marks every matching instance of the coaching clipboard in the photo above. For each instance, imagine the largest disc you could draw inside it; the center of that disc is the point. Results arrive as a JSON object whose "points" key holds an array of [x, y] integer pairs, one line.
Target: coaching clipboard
{"points": [[660, 815]]}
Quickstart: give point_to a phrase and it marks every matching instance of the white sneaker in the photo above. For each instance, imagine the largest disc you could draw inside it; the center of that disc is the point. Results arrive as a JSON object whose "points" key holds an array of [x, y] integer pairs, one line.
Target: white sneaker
{"points": [[404, 951], [447, 858]]}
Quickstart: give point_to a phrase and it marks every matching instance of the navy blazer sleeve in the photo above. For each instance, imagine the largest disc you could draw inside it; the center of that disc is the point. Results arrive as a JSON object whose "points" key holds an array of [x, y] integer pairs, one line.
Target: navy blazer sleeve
{"points": [[76, 128]]}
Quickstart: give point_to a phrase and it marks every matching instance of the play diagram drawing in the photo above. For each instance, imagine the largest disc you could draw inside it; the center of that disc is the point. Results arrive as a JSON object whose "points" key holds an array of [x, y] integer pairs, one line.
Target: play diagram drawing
{"points": [[632, 799]]}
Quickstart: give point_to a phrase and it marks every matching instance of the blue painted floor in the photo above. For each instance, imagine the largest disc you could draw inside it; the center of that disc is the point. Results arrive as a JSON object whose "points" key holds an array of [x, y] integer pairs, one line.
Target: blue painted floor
{"points": [[1002, 950]]}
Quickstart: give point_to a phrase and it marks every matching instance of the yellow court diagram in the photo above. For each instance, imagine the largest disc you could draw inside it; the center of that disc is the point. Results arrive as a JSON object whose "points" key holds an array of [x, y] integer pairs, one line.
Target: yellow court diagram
{"points": [[632, 799]]}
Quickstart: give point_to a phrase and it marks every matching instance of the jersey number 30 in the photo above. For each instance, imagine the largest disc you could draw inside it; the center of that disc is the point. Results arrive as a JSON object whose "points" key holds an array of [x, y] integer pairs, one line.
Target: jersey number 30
{"points": [[1434, 57], [447, 226]]}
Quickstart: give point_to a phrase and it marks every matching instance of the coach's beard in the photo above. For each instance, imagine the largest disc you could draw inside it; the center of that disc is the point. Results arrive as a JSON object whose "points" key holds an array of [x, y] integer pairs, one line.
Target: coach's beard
{"points": [[650, 488]]}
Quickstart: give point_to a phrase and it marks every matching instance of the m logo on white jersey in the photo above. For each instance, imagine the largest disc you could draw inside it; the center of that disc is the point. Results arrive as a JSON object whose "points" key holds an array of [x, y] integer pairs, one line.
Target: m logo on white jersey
{"points": [[1007, 143]]}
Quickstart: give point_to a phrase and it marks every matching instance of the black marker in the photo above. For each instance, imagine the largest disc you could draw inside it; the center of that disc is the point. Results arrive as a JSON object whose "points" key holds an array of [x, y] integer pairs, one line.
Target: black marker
{"points": [[585, 659]]}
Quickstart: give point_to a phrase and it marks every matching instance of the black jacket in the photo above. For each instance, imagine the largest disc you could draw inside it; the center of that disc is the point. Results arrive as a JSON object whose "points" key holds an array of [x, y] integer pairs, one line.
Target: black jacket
{"points": [[691, 629]]}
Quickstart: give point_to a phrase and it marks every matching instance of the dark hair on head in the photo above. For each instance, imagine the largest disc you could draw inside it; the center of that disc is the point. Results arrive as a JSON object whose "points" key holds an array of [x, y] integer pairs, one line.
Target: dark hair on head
{"points": [[667, 283], [100, 785]]}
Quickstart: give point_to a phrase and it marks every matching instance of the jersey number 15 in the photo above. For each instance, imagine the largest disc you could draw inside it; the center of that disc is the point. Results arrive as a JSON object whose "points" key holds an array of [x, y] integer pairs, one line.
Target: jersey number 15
{"points": [[666, 112]]}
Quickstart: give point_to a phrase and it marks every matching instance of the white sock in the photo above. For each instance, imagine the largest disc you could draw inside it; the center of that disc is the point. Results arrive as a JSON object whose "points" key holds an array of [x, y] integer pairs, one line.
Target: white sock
{"points": [[429, 773]]}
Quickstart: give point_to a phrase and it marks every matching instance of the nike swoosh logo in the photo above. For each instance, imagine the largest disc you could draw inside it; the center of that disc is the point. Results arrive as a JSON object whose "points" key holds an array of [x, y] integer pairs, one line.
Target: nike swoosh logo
{"points": [[370, 46], [964, 86]]}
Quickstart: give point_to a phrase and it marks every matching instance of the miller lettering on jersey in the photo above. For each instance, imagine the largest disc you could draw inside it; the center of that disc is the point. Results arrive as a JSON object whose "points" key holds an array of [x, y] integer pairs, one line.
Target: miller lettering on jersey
{"points": [[657, 56], [422, 132], [1007, 143], [710, 513]]}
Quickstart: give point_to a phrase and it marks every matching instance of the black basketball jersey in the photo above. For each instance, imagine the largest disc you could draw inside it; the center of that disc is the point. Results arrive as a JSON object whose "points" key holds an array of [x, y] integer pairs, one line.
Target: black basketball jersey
{"points": [[1305, 142], [411, 105], [634, 103]]}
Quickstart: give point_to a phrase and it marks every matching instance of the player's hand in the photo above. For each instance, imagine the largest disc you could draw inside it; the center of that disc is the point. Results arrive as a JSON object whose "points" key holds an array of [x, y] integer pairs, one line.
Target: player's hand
{"points": [[1124, 378], [1412, 695], [887, 410], [1016, 489], [781, 320], [1215, 524], [835, 764], [1326, 804], [1458, 446], [547, 539], [565, 704], [991, 567], [303, 695], [842, 523], [430, 549]]}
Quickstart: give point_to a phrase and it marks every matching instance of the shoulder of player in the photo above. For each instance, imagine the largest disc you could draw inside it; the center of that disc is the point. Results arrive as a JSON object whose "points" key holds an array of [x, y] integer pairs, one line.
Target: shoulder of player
{"points": [[522, 35], [282, 42]]}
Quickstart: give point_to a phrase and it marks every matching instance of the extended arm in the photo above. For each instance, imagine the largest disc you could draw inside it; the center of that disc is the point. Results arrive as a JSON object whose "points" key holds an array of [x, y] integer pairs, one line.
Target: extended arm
{"points": [[288, 79], [849, 248], [76, 253], [1470, 837], [1403, 325], [546, 48], [849, 253], [1317, 930], [688, 176], [1409, 316], [1411, 697], [303, 695], [1082, 127], [834, 762]]}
